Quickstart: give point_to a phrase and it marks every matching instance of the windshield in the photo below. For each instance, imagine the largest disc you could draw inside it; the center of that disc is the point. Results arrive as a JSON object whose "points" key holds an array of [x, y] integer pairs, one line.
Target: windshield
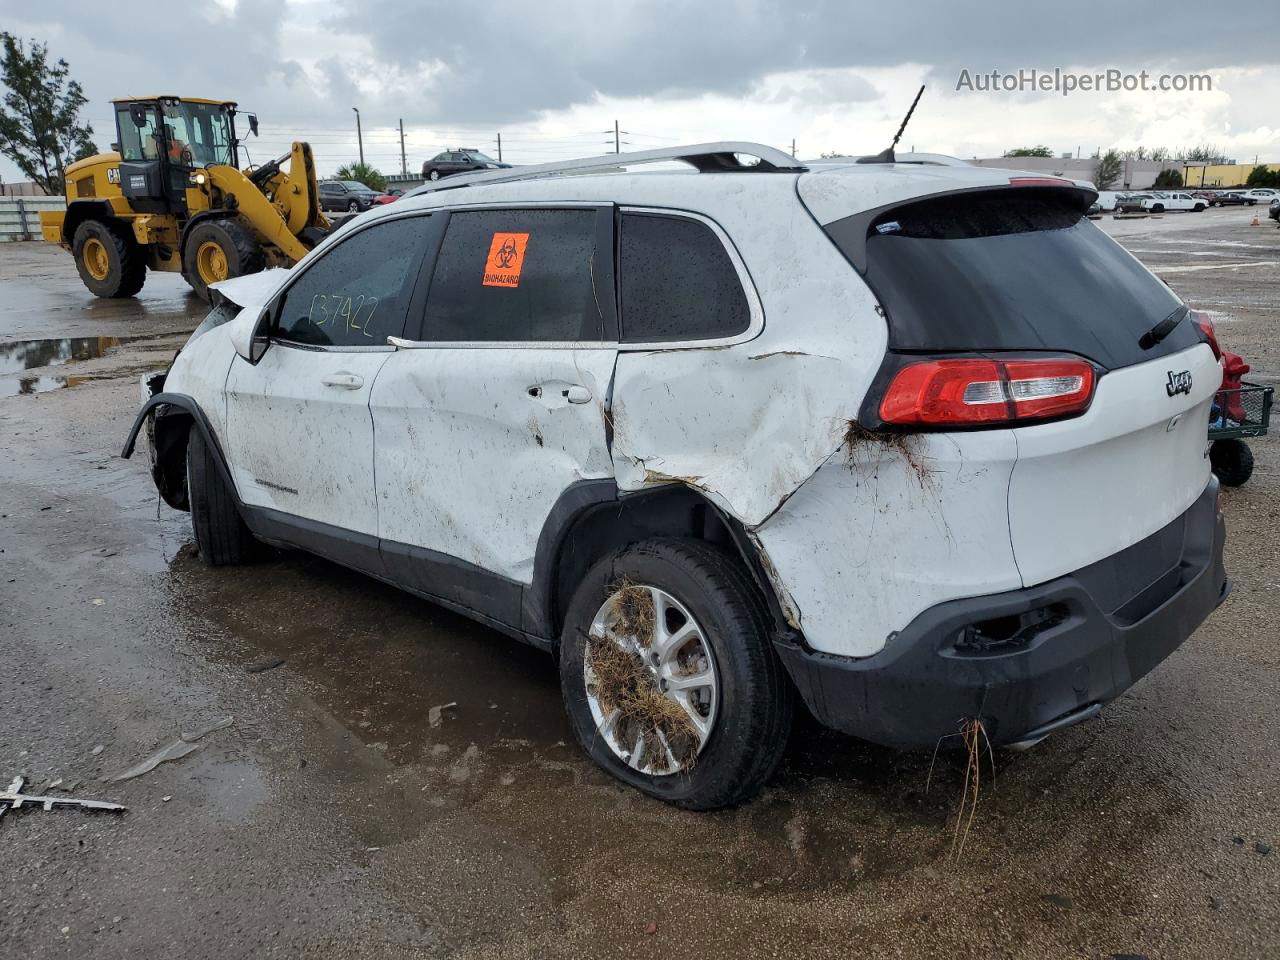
{"points": [[480, 157], [199, 134], [355, 186]]}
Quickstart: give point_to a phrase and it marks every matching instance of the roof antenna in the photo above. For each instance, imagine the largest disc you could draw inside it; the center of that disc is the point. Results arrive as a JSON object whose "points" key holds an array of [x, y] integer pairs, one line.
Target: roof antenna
{"points": [[887, 155]]}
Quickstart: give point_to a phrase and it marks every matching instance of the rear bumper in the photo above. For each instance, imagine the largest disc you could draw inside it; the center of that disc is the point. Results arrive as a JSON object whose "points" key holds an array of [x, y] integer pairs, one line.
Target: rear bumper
{"points": [[1028, 661]]}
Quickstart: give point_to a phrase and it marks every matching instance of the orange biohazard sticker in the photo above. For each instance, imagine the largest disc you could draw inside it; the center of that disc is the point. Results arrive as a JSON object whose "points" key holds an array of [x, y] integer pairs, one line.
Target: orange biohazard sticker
{"points": [[506, 258]]}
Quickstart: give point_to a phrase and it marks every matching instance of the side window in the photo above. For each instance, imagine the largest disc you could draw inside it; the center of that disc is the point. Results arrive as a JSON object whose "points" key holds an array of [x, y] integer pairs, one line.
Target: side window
{"points": [[137, 143], [357, 293], [677, 282], [517, 275]]}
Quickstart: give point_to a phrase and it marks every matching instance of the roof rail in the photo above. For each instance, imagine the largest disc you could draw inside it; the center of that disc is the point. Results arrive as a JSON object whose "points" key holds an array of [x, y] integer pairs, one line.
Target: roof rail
{"points": [[721, 157]]}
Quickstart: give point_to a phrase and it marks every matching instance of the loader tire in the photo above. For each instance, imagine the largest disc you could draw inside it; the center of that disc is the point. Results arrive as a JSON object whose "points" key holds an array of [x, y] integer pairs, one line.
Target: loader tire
{"points": [[109, 260], [221, 535], [219, 250]]}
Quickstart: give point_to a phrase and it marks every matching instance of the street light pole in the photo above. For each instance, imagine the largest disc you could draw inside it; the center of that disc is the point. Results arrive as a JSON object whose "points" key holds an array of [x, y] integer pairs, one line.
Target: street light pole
{"points": [[359, 135]]}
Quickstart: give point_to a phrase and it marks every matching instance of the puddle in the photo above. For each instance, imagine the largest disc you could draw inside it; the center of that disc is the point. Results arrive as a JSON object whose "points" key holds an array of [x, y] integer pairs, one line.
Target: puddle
{"points": [[16, 386], [21, 355], [31, 354]]}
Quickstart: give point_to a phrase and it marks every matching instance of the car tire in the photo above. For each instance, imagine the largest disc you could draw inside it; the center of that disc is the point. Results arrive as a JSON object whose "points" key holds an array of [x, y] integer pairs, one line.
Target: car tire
{"points": [[753, 697], [221, 535], [1157, 208], [108, 259], [353, 207], [1199, 208], [434, 175], [224, 239], [1232, 461]]}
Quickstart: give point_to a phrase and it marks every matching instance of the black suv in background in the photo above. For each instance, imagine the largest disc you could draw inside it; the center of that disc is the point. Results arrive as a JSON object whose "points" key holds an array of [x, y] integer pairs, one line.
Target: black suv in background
{"points": [[459, 161], [350, 195]]}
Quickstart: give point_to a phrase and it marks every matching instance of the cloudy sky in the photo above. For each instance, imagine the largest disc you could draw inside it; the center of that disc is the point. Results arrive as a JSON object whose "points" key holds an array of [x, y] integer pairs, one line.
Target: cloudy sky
{"points": [[552, 76]]}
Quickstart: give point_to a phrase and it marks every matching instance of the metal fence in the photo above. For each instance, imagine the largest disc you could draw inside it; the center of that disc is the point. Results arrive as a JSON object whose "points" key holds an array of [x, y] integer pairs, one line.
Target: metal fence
{"points": [[20, 216]]}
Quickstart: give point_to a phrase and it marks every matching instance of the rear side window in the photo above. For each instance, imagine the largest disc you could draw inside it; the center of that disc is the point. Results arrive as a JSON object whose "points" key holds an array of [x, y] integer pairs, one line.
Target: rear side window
{"points": [[677, 282], [517, 275], [1014, 269], [357, 293]]}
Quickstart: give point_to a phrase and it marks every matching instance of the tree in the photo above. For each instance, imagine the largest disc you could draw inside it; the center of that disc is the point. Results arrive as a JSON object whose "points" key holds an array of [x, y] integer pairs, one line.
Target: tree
{"points": [[1168, 179], [1262, 176], [40, 129], [363, 172], [1204, 153], [1038, 151], [1107, 170]]}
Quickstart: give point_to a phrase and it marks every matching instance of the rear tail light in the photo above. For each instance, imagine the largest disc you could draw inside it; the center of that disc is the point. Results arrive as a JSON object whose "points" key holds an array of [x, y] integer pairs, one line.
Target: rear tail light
{"points": [[979, 391], [1207, 330]]}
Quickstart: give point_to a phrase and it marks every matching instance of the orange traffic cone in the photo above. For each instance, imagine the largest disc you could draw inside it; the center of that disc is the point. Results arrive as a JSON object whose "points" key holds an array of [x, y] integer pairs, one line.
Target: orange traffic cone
{"points": [[1256, 222]]}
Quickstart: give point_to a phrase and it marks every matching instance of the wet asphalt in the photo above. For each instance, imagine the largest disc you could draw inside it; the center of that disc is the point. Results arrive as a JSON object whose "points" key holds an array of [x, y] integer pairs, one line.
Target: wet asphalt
{"points": [[337, 815]]}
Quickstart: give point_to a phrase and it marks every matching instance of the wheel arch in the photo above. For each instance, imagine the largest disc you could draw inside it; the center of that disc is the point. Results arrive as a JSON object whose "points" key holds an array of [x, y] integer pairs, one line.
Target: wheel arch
{"points": [[172, 416], [592, 518], [79, 211], [204, 217]]}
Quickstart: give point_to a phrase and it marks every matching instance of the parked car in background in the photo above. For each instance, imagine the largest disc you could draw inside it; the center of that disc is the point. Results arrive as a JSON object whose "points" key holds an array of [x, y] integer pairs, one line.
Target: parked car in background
{"points": [[1132, 202], [459, 161], [1107, 199], [1161, 201], [1262, 194], [1232, 198], [349, 195], [1274, 211], [918, 444]]}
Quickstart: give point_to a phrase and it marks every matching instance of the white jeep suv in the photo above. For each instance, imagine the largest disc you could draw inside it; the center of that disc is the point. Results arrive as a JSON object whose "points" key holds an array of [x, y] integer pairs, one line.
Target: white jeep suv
{"points": [[913, 440]]}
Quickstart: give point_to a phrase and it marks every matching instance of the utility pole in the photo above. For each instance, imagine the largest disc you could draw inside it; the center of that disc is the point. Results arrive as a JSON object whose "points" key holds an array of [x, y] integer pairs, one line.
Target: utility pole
{"points": [[793, 148], [617, 137], [404, 163], [499, 147], [359, 135]]}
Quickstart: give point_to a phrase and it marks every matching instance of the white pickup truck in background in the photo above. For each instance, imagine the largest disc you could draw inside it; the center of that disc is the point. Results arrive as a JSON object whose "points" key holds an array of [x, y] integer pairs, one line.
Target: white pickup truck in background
{"points": [[1159, 202]]}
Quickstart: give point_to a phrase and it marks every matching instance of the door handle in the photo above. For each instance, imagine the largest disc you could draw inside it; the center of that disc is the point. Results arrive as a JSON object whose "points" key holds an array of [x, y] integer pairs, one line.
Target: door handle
{"points": [[343, 381], [556, 392]]}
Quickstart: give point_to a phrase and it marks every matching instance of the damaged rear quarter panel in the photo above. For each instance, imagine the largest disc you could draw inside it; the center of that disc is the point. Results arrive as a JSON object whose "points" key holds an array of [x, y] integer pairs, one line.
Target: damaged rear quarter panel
{"points": [[884, 531], [747, 424]]}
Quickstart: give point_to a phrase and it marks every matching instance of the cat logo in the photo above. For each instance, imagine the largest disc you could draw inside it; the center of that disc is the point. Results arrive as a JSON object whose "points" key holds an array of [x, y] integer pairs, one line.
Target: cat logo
{"points": [[506, 260], [1178, 383], [113, 175]]}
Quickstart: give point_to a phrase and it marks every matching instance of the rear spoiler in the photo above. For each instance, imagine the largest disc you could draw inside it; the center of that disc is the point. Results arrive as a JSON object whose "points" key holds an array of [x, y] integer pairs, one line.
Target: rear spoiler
{"points": [[850, 233]]}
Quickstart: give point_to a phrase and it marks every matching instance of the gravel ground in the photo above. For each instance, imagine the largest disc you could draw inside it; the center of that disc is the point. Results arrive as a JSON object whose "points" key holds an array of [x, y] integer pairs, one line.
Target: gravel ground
{"points": [[330, 818]]}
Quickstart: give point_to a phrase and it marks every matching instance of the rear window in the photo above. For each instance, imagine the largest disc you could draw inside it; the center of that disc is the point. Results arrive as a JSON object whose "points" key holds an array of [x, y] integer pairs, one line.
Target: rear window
{"points": [[677, 282], [1017, 269]]}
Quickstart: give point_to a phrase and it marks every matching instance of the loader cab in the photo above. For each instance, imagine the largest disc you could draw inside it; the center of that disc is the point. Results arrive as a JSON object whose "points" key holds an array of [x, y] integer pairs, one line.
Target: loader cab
{"points": [[162, 142]]}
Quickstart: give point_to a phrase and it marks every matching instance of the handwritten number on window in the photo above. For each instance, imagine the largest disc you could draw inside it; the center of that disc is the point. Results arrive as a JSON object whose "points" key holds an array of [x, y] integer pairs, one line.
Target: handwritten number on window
{"points": [[339, 309]]}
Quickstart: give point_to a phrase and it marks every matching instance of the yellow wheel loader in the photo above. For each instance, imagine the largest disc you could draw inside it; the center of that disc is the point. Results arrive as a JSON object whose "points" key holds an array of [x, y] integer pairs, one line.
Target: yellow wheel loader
{"points": [[170, 196]]}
